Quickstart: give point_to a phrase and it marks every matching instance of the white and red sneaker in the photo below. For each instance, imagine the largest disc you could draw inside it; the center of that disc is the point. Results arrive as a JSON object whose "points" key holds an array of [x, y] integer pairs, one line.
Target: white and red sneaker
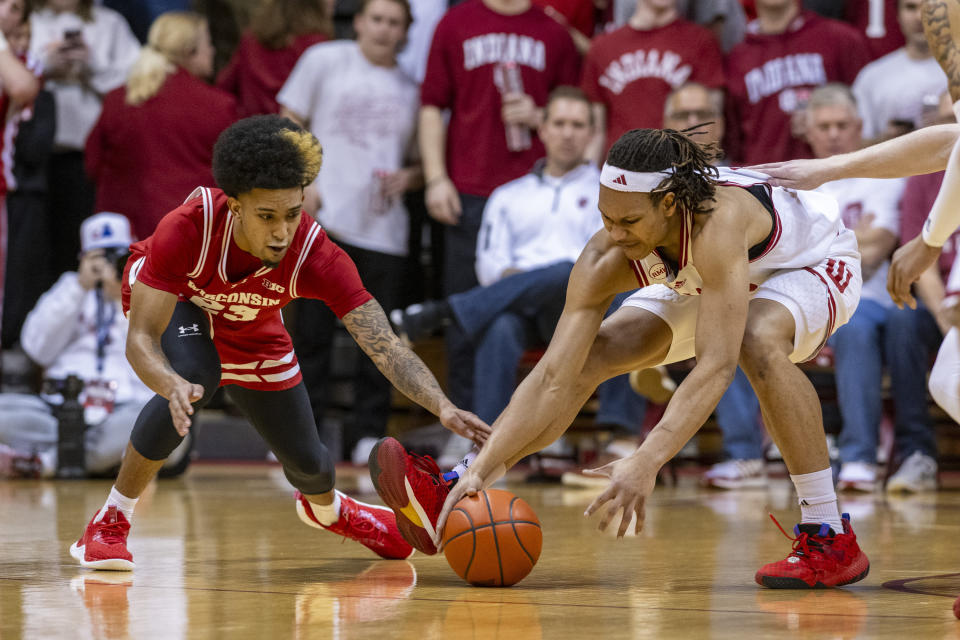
{"points": [[413, 487], [104, 543], [372, 526]]}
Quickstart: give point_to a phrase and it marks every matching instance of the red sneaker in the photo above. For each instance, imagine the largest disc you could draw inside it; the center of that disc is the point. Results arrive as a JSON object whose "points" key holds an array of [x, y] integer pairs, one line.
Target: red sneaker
{"points": [[372, 526], [104, 544], [820, 558], [411, 485]]}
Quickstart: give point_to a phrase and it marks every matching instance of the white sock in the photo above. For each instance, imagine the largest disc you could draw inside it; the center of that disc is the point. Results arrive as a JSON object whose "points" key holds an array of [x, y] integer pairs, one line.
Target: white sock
{"points": [[466, 462], [120, 501], [818, 500], [327, 514]]}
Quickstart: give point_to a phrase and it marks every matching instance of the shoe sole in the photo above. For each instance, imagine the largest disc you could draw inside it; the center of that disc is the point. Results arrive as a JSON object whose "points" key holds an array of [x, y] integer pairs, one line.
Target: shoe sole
{"points": [[388, 464], [774, 582], [113, 564]]}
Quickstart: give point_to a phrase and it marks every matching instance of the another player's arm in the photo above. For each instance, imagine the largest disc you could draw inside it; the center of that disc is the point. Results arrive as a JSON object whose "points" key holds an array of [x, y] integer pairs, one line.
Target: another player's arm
{"points": [[721, 256], [150, 313], [941, 26], [548, 399], [925, 150], [370, 328]]}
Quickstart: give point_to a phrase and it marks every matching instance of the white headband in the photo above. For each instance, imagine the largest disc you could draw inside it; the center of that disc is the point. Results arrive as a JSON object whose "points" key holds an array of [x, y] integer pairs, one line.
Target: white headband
{"points": [[622, 180]]}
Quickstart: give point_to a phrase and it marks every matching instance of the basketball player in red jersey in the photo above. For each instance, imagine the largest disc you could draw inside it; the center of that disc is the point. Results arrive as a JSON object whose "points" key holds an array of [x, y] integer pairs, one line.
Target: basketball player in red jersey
{"points": [[731, 270], [204, 294]]}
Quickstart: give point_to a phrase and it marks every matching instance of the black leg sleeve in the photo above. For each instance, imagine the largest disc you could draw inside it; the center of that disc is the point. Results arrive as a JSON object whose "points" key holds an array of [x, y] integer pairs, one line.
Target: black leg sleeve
{"points": [[190, 350], [285, 421]]}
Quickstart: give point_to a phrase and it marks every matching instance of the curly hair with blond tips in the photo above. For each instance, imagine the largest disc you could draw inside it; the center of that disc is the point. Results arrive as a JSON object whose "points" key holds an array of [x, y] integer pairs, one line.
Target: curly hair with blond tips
{"points": [[265, 152], [693, 178]]}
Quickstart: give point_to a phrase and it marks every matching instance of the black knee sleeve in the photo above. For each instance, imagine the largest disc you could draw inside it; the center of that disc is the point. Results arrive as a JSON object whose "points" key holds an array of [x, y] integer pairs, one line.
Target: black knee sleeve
{"points": [[310, 475]]}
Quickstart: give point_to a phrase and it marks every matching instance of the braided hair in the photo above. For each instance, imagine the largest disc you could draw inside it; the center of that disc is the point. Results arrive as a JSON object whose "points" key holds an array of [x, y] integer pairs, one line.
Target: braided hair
{"points": [[693, 180]]}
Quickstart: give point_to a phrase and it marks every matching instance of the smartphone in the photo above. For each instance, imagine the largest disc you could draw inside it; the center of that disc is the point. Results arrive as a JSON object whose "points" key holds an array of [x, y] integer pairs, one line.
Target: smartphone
{"points": [[72, 38]]}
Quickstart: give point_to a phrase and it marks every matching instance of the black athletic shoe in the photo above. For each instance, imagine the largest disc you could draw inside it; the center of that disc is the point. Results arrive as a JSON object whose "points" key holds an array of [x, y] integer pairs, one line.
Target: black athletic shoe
{"points": [[419, 321]]}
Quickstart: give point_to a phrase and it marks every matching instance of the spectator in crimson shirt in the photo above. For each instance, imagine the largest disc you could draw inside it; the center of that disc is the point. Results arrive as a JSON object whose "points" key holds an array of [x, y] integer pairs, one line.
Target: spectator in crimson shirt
{"points": [[629, 73], [786, 54], [154, 139], [280, 31], [467, 159]]}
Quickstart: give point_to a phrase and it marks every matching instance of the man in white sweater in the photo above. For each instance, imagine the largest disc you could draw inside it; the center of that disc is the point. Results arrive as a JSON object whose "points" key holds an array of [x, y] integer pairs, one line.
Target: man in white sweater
{"points": [[78, 328]]}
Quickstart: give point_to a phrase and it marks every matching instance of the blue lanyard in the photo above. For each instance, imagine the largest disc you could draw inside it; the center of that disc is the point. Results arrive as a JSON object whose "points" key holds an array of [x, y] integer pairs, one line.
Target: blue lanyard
{"points": [[105, 316]]}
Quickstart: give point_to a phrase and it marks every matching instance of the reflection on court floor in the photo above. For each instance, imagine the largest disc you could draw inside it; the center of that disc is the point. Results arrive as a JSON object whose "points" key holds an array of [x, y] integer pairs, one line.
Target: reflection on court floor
{"points": [[221, 553]]}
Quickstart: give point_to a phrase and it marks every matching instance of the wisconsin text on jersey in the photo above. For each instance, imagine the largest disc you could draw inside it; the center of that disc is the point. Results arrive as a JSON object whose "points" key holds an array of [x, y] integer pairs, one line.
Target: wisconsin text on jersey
{"points": [[233, 298]]}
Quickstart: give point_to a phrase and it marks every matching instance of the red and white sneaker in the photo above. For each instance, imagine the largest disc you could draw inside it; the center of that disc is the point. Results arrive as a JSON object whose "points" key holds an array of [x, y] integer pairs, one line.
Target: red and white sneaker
{"points": [[820, 558], [372, 526], [412, 486], [104, 544]]}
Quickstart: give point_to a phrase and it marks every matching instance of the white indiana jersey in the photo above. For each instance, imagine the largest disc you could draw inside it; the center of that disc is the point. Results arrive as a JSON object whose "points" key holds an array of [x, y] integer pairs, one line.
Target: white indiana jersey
{"points": [[806, 230]]}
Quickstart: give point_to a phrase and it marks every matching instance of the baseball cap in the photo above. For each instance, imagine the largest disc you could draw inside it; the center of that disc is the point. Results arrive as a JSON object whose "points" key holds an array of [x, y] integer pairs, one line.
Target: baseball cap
{"points": [[105, 231]]}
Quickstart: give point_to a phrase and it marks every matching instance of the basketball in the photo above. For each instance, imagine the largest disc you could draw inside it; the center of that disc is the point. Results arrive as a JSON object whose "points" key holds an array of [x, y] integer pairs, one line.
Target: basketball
{"points": [[492, 539]]}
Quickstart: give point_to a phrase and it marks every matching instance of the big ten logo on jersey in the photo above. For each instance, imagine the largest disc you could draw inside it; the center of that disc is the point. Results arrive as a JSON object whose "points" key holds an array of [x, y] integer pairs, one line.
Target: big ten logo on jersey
{"points": [[273, 286], [236, 306]]}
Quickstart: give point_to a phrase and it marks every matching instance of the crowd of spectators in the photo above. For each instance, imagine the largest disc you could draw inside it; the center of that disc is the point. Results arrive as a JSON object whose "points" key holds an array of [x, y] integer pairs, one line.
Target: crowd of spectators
{"points": [[433, 122]]}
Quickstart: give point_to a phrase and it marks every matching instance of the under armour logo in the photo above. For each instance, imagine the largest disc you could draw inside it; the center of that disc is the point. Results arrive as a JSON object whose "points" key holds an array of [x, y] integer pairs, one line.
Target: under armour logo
{"points": [[192, 330], [621, 179]]}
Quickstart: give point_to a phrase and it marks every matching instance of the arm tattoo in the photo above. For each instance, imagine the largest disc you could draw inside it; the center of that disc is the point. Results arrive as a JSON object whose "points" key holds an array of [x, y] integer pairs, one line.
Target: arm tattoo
{"points": [[942, 35], [369, 326]]}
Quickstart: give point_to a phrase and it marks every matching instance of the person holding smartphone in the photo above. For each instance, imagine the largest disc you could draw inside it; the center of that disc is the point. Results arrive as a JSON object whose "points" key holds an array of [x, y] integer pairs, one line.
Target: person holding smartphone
{"points": [[86, 51]]}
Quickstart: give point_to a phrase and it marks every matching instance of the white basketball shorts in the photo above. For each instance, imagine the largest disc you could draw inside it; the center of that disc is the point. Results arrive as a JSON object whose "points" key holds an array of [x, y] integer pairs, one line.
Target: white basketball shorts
{"points": [[820, 298]]}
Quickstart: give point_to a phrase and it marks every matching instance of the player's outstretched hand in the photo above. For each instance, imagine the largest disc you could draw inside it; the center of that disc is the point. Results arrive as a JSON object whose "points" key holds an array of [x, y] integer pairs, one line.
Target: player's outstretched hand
{"points": [[469, 484], [182, 397], [463, 423], [631, 482], [909, 261], [796, 174]]}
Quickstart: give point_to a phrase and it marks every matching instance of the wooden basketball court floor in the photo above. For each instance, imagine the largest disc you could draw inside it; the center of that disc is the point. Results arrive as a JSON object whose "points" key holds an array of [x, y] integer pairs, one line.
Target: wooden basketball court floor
{"points": [[221, 554]]}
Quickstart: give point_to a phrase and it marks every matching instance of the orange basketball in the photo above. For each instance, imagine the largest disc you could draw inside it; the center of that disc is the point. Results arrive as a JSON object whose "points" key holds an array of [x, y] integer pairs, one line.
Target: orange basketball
{"points": [[492, 539]]}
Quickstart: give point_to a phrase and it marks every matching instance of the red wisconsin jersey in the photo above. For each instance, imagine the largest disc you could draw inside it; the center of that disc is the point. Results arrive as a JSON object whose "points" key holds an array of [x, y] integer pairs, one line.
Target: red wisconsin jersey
{"points": [[192, 254], [770, 76], [631, 72], [468, 43]]}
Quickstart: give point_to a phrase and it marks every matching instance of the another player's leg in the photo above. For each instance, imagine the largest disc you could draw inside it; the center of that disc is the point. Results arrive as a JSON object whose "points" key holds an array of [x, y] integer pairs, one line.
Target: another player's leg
{"points": [[414, 486], [825, 552], [285, 421], [103, 544]]}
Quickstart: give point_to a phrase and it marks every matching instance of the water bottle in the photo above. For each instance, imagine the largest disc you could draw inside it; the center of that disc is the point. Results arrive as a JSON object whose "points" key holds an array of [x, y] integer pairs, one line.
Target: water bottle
{"points": [[507, 77], [71, 451]]}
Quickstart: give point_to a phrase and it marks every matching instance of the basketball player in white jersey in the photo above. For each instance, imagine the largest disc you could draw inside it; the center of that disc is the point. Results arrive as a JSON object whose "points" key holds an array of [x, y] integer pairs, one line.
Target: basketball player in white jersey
{"points": [[732, 270]]}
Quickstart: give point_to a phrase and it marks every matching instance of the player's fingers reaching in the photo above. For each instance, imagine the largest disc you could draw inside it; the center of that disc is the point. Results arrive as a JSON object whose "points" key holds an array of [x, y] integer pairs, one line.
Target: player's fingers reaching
{"points": [[468, 485], [641, 512], [599, 501], [629, 510]]}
